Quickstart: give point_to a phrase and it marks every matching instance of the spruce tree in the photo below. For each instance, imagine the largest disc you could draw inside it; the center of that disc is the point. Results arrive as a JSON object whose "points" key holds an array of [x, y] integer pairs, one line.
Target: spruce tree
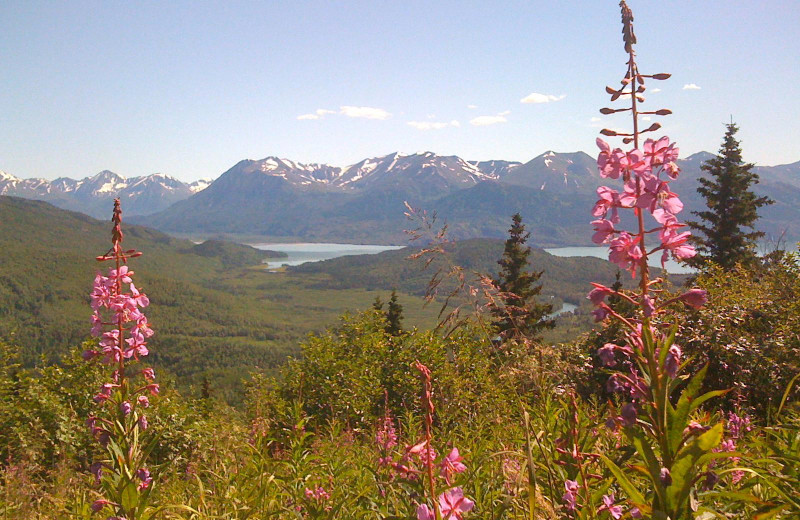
{"points": [[520, 313], [732, 207], [394, 316]]}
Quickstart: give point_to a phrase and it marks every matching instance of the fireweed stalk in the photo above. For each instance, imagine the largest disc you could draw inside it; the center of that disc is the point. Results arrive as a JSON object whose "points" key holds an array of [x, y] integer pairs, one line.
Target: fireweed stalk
{"points": [[121, 423], [646, 370], [452, 503]]}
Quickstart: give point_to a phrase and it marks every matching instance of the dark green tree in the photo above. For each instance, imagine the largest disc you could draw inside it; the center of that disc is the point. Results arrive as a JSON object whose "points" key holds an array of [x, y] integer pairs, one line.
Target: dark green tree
{"points": [[520, 313], [732, 207], [394, 316], [378, 304]]}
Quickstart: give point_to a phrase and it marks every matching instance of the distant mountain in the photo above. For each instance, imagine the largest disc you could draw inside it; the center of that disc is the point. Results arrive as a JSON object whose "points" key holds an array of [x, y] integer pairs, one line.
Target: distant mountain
{"points": [[93, 195], [364, 202]]}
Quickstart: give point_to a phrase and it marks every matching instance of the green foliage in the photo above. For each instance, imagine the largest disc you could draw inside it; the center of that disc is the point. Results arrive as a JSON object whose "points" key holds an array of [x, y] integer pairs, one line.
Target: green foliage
{"points": [[394, 316], [749, 332], [520, 314], [345, 373], [732, 206]]}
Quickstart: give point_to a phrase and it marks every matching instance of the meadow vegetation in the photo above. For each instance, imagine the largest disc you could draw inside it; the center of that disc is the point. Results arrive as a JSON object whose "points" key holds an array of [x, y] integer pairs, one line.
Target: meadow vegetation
{"points": [[680, 403]]}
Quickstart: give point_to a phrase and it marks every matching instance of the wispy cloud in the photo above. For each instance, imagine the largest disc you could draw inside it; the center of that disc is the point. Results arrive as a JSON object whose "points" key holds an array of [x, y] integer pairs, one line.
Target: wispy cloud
{"points": [[655, 90], [488, 120], [691, 86], [433, 125], [317, 114], [594, 119], [472, 107], [349, 111], [365, 112], [535, 97]]}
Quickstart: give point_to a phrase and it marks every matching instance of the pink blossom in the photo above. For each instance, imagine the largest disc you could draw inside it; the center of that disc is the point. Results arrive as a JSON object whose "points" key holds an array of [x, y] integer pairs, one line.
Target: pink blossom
{"points": [[98, 505], [144, 475], [599, 293], [673, 361], [608, 199], [608, 505], [425, 513], [125, 407], [571, 495], [143, 401], [600, 313], [675, 243], [142, 422], [452, 464], [424, 454], [695, 298], [140, 298], [452, 503], [606, 354], [660, 152], [149, 374], [608, 161], [625, 252], [123, 275], [603, 230]]}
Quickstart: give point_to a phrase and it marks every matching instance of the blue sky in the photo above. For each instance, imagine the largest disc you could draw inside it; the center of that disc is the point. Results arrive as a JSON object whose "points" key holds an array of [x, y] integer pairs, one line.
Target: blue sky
{"points": [[190, 88]]}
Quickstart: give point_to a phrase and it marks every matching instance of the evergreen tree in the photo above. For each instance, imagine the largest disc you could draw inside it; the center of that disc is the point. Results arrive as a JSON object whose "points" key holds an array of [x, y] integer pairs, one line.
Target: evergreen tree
{"points": [[378, 304], [520, 312], [394, 316], [732, 206]]}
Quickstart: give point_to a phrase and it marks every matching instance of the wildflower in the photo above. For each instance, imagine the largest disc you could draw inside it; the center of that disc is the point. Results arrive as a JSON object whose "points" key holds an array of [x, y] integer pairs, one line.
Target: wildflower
{"points": [[635, 513], [425, 513], [125, 407], [629, 413], [606, 354], [142, 422], [452, 503], [603, 230], [738, 425], [149, 374], [386, 436], [695, 298], [665, 476], [600, 313], [452, 464], [625, 252], [144, 475], [98, 505], [673, 361], [571, 495], [97, 470], [608, 199], [143, 401], [608, 505], [599, 293]]}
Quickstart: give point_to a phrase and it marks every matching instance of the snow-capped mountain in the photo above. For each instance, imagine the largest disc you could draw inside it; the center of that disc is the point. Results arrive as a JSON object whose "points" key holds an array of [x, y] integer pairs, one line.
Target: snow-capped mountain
{"points": [[93, 195]]}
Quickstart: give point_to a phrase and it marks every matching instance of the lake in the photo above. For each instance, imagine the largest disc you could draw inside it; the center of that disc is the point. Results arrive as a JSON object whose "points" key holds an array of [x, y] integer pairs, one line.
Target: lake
{"points": [[673, 267], [300, 253]]}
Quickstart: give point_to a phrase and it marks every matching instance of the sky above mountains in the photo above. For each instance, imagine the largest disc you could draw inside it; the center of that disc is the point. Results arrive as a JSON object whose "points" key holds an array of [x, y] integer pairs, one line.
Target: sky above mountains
{"points": [[190, 88]]}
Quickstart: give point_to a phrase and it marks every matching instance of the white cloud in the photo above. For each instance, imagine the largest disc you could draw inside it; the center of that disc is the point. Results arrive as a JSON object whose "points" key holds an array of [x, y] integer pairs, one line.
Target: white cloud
{"points": [[433, 125], [655, 90], [487, 120], [365, 112], [318, 114], [594, 119], [535, 97], [504, 113], [647, 118], [691, 86], [472, 107]]}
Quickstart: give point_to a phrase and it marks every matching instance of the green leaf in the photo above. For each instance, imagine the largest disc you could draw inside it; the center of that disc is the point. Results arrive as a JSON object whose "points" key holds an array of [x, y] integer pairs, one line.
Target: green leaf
{"points": [[633, 494], [678, 418], [130, 497], [685, 468]]}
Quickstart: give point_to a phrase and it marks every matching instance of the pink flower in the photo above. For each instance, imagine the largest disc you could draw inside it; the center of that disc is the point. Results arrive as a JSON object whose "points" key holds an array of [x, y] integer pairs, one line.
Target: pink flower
{"points": [[452, 464], [608, 505], [673, 361], [603, 230], [660, 152], [125, 407], [606, 354], [149, 374], [607, 199], [143, 401], [424, 454], [625, 252], [675, 243], [123, 275], [144, 475], [140, 298], [600, 313], [425, 513], [599, 293], [98, 505], [571, 495], [153, 388], [695, 298], [142, 422], [452, 503]]}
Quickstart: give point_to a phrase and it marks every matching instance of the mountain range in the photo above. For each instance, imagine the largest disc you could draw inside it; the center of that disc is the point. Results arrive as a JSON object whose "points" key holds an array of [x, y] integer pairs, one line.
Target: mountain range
{"points": [[94, 195], [364, 202]]}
